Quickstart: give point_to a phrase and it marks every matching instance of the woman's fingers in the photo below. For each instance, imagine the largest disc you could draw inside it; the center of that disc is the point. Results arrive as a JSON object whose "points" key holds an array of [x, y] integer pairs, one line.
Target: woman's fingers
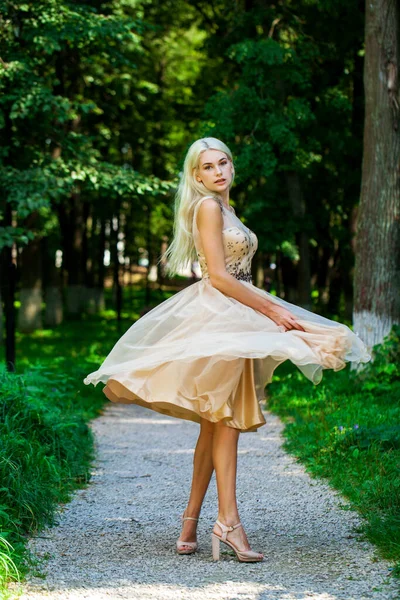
{"points": [[297, 325], [287, 321], [292, 324]]}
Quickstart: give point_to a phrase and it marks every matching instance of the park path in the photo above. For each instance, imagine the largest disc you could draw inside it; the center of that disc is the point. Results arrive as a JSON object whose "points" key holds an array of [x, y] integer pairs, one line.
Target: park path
{"points": [[116, 538]]}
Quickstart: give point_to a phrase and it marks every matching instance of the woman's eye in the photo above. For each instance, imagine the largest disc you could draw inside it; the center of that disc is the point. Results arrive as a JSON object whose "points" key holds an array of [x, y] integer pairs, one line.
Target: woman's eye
{"points": [[223, 163]]}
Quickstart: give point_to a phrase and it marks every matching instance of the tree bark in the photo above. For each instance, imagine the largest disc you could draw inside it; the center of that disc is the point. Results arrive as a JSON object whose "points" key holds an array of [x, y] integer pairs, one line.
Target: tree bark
{"points": [[303, 283], [117, 287], [31, 272], [7, 284], [30, 295], [1, 320], [73, 228], [377, 268], [52, 285], [95, 290]]}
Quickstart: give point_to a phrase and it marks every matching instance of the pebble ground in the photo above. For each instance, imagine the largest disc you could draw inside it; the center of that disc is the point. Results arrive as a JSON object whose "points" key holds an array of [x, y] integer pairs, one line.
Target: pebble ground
{"points": [[116, 538]]}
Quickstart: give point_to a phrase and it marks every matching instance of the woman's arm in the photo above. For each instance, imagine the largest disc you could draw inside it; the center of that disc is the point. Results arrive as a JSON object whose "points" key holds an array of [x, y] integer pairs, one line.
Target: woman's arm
{"points": [[209, 224]]}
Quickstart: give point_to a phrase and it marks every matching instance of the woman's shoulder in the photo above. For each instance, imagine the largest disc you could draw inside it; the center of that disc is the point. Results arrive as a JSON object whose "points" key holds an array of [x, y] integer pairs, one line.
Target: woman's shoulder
{"points": [[210, 208], [210, 202]]}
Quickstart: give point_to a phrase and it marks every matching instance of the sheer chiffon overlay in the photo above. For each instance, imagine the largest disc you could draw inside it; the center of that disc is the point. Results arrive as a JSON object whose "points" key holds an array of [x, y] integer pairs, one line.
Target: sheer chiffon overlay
{"points": [[203, 354]]}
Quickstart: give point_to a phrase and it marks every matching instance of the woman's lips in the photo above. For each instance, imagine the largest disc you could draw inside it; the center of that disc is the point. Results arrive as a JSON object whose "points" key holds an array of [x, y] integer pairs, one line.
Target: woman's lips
{"points": [[220, 181]]}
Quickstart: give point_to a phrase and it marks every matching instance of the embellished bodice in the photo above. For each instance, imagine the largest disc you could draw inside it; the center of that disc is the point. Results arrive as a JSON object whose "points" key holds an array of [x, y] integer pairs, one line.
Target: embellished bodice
{"points": [[240, 244]]}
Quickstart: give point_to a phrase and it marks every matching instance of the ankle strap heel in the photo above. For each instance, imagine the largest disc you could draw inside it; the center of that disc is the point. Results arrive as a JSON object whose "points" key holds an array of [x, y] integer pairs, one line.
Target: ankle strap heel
{"points": [[242, 555], [187, 547], [215, 545]]}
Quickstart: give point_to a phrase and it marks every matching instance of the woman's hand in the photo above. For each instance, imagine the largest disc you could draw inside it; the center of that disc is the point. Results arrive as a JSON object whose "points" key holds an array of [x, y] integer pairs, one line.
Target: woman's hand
{"points": [[281, 316]]}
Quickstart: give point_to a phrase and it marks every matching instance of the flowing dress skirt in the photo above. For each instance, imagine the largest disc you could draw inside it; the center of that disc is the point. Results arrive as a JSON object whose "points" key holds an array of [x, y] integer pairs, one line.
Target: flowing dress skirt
{"points": [[203, 354]]}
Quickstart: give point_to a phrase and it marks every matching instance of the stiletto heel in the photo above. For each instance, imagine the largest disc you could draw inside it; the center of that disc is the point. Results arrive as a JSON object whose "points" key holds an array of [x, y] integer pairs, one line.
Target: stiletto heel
{"points": [[242, 555], [191, 547], [215, 546]]}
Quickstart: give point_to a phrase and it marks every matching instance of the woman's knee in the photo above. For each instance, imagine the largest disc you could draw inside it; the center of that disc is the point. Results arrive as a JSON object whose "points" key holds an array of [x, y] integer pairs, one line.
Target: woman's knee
{"points": [[207, 427], [226, 431]]}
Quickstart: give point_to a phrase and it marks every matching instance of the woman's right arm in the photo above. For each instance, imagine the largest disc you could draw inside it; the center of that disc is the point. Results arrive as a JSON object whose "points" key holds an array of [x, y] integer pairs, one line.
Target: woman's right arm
{"points": [[210, 224]]}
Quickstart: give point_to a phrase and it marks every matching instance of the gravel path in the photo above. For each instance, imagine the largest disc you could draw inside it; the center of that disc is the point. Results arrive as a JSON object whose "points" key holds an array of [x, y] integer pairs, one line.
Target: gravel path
{"points": [[116, 538]]}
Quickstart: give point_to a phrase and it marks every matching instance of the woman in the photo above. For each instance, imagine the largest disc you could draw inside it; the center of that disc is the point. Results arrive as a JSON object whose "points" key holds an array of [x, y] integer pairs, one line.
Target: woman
{"points": [[206, 353]]}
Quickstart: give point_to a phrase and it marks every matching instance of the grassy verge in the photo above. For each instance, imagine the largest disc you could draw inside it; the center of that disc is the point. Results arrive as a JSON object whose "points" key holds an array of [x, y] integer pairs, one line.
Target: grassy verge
{"points": [[347, 429], [46, 445]]}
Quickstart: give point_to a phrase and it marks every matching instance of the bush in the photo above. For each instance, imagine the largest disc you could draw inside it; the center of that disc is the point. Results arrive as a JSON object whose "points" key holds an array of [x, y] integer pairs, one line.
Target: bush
{"points": [[46, 449]]}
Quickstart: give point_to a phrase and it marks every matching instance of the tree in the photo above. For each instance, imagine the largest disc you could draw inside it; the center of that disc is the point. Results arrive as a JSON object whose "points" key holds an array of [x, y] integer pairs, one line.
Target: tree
{"points": [[289, 105], [60, 61], [377, 273]]}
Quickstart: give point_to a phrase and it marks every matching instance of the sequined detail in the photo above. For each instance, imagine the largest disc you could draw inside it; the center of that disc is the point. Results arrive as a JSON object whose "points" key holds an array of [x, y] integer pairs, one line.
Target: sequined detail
{"points": [[244, 277], [240, 245]]}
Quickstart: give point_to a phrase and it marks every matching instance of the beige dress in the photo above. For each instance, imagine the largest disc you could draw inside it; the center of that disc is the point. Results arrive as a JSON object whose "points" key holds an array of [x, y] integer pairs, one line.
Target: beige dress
{"points": [[203, 354]]}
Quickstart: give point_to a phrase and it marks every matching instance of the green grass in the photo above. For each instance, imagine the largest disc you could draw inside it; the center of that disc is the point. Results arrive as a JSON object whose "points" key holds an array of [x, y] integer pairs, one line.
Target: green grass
{"points": [[46, 446], [347, 430]]}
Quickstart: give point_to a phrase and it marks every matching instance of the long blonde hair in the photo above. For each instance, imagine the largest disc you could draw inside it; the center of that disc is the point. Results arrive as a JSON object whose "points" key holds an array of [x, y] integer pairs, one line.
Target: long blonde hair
{"points": [[181, 251]]}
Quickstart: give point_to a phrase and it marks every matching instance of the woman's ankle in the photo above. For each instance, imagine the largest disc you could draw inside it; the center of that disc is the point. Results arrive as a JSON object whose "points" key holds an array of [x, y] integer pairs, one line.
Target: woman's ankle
{"points": [[229, 519]]}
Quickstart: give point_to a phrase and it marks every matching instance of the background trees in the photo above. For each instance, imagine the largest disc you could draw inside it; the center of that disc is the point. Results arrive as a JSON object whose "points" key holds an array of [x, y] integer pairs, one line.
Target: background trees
{"points": [[100, 100]]}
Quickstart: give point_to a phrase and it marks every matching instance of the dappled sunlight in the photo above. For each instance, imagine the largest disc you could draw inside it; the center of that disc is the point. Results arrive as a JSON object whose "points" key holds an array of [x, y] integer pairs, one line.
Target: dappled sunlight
{"points": [[119, 519], [229, 590], [284, 471], [255, 451], [270, 438]]}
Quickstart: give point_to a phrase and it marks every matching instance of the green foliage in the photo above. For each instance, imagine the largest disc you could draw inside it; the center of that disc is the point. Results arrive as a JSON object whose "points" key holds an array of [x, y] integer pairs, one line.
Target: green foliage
{"points": [[45, 444], [347, 430], [8, 568], [57, 58], [46, 448], [287, 99]]}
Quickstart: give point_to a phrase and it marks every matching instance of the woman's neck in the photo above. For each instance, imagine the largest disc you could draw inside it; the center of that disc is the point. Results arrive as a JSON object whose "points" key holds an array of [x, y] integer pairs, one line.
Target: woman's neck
{"points": [[225, 197]]}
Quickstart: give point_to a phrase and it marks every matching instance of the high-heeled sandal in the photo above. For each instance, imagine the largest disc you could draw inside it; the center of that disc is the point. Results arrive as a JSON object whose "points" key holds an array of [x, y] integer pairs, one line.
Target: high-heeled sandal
{"points": [[191, 546], [242, 555]]}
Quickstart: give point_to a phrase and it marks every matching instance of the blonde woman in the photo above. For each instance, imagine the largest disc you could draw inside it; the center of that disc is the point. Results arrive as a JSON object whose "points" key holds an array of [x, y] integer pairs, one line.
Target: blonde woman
{"points": [[206, 353]]}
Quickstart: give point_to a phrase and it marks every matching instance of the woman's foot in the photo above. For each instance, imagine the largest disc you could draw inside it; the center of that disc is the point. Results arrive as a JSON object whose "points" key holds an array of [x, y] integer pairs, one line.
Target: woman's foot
{"points": [[188, 533], [237, 537]]}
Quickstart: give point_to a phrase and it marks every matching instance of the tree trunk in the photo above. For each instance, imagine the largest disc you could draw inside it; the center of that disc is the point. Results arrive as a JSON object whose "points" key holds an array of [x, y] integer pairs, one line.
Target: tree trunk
{"points": [[30, 295], [100, 301], [149, 253], [116, 268], [7, 284], [289, 279], [30, 267], [95, 290], [323, 270], [303, 278], [73, 224], [1, 320], [377, 270], [52, 286]]}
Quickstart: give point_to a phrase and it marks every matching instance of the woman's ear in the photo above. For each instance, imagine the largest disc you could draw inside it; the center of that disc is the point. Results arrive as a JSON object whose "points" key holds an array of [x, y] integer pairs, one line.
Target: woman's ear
{"points": [[196, 176]]}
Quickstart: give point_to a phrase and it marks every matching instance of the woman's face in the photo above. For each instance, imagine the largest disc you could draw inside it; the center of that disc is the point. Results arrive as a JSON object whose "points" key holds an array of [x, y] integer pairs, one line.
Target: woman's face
{"points": [[215, 170]]}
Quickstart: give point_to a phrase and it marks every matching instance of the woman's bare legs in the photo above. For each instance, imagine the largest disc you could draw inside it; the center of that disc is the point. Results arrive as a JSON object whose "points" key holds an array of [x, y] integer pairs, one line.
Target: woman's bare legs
{"points": [[202, 471], [216, 448], [225, 463]]}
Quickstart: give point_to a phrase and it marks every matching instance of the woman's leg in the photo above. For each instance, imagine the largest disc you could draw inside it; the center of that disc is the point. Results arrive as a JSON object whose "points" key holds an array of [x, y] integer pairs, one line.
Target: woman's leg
{"points": [[225, 463], [202, 472]]}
